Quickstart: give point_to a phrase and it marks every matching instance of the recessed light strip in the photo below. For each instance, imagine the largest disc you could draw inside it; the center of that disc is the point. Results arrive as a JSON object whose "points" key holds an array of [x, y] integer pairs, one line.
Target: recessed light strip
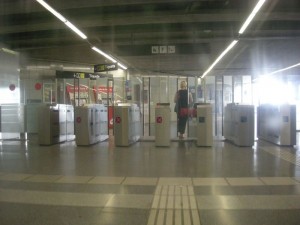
{"points": [[276, 71], [287, 68], [77, 31], [109, 57], [251, 16], [63, 19], [122, 66], [104, 54], [243, 28], [9, 51], [233, 43], [53, 11]]}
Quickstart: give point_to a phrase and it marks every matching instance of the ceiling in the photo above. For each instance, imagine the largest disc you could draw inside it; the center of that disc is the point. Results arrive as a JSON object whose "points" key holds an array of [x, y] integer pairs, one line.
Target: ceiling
{"points": [[193, 33]]}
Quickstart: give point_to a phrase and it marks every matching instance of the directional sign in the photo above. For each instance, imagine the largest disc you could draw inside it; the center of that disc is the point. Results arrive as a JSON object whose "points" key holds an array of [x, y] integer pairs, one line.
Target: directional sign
{"points": [[105, 67], [78, 75], [70, 75]]}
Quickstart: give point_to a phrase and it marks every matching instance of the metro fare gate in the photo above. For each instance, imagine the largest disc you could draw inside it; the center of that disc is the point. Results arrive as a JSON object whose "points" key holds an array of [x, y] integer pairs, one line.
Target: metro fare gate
{"points": [[127, 124]]}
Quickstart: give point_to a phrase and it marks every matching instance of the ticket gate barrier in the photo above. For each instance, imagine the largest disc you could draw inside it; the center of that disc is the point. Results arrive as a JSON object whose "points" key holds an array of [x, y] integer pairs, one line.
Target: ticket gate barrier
{"points": [[277, 124], [239, 124], [127, 124], [69, 130], [244, 125], [162, 124], [53, 124], [91, 124], [204, 129]]}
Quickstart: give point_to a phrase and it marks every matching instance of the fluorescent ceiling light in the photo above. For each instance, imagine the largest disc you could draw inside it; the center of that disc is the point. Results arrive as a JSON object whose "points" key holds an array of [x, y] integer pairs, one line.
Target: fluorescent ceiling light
{"points": [[233, 43], [109, 57], [251, 16], [9, 51], [104, 54], [122, 66], [278, 71], [76, 30], [243, 28], [54, 12], [63, 19], [287, 68]]}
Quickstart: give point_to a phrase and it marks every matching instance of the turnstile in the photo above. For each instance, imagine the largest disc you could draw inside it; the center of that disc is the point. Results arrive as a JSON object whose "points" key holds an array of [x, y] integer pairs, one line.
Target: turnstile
{"points": [[126, 124], [204, 125], [162, 124], [53, 126], [239, 124], [69, 123], [244, 125], [277, 124], [91, 124]]}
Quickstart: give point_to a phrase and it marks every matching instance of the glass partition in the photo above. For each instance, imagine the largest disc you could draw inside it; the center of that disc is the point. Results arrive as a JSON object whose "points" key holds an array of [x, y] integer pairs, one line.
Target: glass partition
{"points": [[49, 93], [12, 125], [12, 121], [227, 90], [192, 122], [157, 90], [227, 95], [219, 105], [237, 91], [173, 87], [145, 106], [247, 90], [155, 93]]}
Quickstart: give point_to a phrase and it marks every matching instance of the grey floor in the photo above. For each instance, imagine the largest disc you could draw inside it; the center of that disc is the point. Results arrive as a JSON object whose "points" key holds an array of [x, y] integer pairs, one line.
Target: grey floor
{"points": [[143, 184]]}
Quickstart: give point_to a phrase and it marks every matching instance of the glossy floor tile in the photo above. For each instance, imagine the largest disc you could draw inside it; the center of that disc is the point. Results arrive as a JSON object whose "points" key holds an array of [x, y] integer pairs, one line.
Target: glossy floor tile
{"points": [[106, 180], [210, 182], [279, 180], [250, 217], [146, 185], [248, 181]]}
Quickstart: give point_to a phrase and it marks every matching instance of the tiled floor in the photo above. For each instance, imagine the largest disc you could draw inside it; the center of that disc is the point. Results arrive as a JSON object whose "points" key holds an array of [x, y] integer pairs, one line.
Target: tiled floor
{"points": [[147, 185]]}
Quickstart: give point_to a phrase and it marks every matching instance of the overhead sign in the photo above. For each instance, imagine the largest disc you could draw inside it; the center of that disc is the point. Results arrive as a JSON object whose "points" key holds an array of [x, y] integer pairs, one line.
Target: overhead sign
{"points": [[105, 67], [78, 75], [68, 74]]}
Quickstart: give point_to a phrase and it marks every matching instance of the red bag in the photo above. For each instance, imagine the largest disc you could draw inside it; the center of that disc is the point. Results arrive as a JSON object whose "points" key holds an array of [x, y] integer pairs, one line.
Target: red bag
{"points": [[184, 112]]}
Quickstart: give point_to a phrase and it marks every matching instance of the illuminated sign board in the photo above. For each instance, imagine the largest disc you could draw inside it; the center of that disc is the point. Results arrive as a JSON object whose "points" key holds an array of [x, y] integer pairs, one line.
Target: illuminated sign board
{"points": [[79, 75], [105, 67]]}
